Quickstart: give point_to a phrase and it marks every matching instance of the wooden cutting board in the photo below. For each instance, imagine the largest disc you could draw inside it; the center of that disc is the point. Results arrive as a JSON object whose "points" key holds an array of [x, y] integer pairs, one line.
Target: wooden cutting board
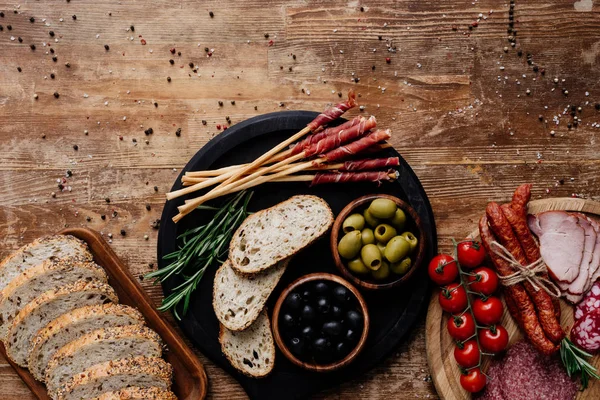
{"points": [[440, 347]]}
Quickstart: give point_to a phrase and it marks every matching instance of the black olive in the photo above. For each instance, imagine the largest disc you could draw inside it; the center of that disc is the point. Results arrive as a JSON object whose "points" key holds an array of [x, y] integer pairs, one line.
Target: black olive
{"points": [[308, 313], [294, 301], [297, 346], [288, 321], [306, 295], [351, 335], [320, 345], [308, 332], [321, 288], [354, 319], [323, 305], [332, 328], [337, 312], [341, 294], [341, 349]]}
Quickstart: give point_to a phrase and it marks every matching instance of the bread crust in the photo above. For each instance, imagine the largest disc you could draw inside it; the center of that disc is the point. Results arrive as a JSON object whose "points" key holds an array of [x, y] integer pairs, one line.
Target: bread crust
{"points": [[132, 393]]}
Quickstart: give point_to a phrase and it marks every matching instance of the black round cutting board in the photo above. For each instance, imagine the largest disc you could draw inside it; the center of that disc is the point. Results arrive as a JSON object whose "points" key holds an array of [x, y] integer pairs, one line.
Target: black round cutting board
{"points": [[393, 312]]}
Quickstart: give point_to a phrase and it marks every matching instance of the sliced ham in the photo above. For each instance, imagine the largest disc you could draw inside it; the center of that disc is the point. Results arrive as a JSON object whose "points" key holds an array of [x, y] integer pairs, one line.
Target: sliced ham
{"points": [[580, 283], [595, 264], [562, 242]]}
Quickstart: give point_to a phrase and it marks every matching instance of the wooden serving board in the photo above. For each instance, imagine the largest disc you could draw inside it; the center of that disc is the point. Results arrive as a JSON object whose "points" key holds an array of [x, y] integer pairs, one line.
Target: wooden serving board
{"points": [[189, 378], [440, 346]]}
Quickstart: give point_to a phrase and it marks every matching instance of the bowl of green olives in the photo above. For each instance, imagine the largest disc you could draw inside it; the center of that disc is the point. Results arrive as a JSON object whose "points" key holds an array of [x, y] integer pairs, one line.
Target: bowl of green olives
{"points": [[320, 322], [377, 242]]}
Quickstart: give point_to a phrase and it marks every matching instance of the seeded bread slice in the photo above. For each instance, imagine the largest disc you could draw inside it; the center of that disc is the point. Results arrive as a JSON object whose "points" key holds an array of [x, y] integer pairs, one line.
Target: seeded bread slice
{"points": [[48, 306], [74, 324], [143, 372], [274, 234], [252, 351], [102, 345], [237, 299], [132, 393], [48, 275], [56, 246]]}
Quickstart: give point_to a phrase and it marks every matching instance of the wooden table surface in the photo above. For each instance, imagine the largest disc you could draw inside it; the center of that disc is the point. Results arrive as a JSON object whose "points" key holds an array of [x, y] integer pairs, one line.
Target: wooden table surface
{"points": [[463, 106]]}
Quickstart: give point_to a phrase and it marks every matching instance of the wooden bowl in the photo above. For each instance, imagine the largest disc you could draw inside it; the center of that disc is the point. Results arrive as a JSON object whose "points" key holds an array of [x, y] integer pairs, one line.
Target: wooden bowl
{"points": [[413, 224], [320, 276]]}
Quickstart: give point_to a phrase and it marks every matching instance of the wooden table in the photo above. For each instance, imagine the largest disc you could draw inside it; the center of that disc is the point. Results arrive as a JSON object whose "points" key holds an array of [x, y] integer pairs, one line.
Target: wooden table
{"points": [[442, 75]]}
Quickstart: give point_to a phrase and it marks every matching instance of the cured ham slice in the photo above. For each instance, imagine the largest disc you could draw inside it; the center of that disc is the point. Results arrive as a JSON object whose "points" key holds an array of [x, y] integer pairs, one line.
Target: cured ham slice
{"points": [[580, 283], [595, 264], [562, 242]]}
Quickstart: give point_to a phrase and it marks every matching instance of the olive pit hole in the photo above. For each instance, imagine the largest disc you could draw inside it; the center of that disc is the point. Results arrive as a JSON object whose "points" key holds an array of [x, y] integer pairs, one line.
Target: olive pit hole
{"points": [[375, 263]]}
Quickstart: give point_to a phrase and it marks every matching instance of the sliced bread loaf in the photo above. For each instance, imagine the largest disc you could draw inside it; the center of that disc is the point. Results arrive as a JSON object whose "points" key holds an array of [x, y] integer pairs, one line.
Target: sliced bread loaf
{"points": [[56, 246], [48, 275], [239, 299], [143, 372], [252, 351], [48, 306], [74, 324], [274, 234], [132, 393], [102, 345]]}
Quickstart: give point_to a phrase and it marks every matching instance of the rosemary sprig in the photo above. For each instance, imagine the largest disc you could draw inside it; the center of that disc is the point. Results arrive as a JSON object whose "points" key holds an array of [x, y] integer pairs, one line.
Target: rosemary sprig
{"points": [[201, 247], [574, 360]]}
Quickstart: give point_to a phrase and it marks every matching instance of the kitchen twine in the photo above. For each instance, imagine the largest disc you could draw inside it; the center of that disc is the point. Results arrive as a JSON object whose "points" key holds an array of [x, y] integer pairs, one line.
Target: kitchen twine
{"points": [[527, 273]]}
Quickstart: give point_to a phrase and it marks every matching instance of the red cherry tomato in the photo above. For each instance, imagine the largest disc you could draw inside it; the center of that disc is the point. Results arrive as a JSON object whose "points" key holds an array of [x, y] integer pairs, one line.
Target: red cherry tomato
{"points": [[470, 253], [485, 281], [488, 312], [473, 381], [453, 298], [461, 327], [443, 269], [493, 339], [468, 355]]}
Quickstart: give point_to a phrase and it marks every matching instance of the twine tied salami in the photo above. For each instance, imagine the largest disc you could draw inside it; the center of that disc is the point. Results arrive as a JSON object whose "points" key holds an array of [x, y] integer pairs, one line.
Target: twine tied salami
{"points": [[529, 273]]}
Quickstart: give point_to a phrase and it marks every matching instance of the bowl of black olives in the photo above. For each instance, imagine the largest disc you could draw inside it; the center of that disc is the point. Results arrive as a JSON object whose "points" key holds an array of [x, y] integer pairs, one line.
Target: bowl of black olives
{"points": [[320, 322], [377, 242]]}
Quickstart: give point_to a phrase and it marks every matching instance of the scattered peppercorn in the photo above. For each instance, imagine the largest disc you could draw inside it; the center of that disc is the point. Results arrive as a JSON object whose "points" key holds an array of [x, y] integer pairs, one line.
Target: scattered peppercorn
{"points": [[179, 53], [55, 59], [155, 104], [9, 27], [103, 217], [191, 64], [51, 33], [32, 46], [597, 106], [148, 207], [56, 95], [114, 214], [220, 103], [362, 9], [172, 61], [541, 117], [203, 122], [155, 224], [123, 233], [106, 199], [168, 79], [74, 17], [1, 28], [339, 94], [290, 69], [1, 14], [212, 14], [75, 147], [19, 69], [178, 132], [206, 49], [156, 188], [149, 131], [20, 39], [31, 19], [88, 218], [266, 35], [132, 28], [373, 68], [106, 47], [294, 56], [381, 37], [61, 186]]}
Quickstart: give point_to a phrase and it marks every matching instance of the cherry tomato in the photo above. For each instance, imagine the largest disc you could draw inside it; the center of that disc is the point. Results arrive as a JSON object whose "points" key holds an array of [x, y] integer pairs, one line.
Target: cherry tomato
{"points": [[488, 312], [473, 381], [461, 327], [470, 253], [467, 354], [453, 298], [486, 281], [443, 269], [493, 339]]}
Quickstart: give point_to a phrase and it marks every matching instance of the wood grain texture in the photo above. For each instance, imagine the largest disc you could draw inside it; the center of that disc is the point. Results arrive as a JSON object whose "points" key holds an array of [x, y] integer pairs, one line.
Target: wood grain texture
{"points": [[440, 346], [446, 99]]}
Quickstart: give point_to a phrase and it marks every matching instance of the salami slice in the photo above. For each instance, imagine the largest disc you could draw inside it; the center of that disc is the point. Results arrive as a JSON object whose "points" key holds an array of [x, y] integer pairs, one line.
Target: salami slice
{"points": [[586, 332], [590, 302]]}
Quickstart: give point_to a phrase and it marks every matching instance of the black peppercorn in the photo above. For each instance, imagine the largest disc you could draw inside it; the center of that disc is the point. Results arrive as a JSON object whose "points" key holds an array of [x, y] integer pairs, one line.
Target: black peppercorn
{"points": [[106, 47], [32, 20], [191, 65], [203, 122], [74, 17], [32, 46], [220, 103], [61, 186], [52, 76], [206, 49], [597, 106], [168, 79], [178, 132], [68, 65], [294, 56], [51, 33], [520, 53], [179, 53], [132, 28], [362, 9], [103, 217], [19, 69], [233, 102], [114, 214], [148, 207], [380, 37], [123, 233], [20, 39], [266, 35], [535, 68], [55, 59], [156, 188], [373, 68], [212, 14], [1, 28], [156, 104], [88, 218], [106, 199], [75, 147], [56, 94], [1, 14], [541, 117], [9, 27], [172, 61], [52, 51]]}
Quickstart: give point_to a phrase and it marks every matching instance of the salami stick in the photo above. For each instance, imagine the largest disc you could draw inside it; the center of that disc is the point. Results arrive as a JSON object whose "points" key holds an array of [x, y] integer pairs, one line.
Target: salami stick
{"points": [[520, 303], [542, 300], [521, 197]]}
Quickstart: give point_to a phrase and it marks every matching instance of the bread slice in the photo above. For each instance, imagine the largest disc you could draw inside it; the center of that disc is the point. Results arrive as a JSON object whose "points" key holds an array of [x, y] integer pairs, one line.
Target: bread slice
{"points": [[237, 299], [56, 246], [102, 345], [132, 393], [252, 351], [74, 324], [274, 234], [48, 306], [143, 372], [48, 275]]}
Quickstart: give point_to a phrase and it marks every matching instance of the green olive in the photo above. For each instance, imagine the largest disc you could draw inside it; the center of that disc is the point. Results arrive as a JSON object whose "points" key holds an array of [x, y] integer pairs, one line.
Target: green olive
{"points": [[411, 239], [358, 267], [371, 256], [401, 267], [383, 208], [382, 273], [384, 232], [399, 219], [381, 248], [371, 220], [350, 245], [396, 249], [367, 236], [354, 222]]}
